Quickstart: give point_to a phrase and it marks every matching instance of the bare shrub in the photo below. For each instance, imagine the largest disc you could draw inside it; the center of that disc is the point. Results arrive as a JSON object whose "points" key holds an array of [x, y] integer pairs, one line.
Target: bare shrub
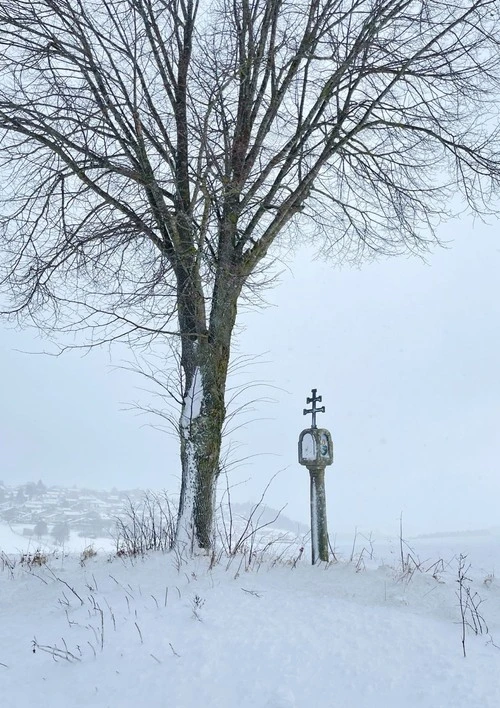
{"points": [[87, 553], [236, 533], [37, 558], [469, 603], [55, 651], [196, 605], [358, 557], [147, 526], [7, 563], [250, 539]]}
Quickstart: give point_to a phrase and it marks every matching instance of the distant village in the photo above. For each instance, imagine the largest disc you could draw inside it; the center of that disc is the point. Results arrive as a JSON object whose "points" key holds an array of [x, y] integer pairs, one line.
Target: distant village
{"points": [[35, 510], [56, 511]]}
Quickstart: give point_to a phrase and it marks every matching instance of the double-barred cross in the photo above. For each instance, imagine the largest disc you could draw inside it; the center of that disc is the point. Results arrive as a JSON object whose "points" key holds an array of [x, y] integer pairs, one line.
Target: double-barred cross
{"points": [[314, 399]]}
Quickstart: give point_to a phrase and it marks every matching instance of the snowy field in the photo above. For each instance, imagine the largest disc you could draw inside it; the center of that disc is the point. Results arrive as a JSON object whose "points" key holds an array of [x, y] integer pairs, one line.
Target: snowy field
{"points": [[13, 541], [164, 632]]}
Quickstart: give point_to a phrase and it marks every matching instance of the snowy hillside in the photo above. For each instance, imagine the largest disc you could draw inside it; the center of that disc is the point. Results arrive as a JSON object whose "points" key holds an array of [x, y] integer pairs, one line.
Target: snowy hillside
{"points": [[162, 632]]}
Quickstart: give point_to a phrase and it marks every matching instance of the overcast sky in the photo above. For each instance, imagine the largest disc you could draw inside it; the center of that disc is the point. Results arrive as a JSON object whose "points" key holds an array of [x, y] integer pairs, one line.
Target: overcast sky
{"points": [[406, 355]]}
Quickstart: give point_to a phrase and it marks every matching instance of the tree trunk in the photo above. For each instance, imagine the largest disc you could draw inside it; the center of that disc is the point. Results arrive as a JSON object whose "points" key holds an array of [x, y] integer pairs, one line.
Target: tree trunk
{"points": [[205, 363]]}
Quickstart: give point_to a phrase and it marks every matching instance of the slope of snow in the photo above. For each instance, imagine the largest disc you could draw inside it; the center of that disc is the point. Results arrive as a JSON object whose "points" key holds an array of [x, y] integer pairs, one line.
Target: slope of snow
{"points": [[164, 633], [12, 540]]}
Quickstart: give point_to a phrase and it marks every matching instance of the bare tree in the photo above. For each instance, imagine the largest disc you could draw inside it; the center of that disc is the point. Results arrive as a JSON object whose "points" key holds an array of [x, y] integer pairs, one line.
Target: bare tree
{"points": [[153, 151]]}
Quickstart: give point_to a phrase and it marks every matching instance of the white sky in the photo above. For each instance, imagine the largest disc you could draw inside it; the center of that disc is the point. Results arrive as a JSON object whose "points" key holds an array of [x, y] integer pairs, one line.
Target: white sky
{"points": [[406, 356]]}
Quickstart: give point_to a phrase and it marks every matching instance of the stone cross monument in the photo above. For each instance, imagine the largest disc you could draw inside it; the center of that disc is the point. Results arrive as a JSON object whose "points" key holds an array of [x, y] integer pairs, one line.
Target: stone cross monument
{"points": [[316, 452]]}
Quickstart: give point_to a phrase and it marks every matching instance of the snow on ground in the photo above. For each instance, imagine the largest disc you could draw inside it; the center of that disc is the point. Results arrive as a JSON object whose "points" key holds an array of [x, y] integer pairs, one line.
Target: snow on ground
{"points": [[12, 540], [165, 633]]}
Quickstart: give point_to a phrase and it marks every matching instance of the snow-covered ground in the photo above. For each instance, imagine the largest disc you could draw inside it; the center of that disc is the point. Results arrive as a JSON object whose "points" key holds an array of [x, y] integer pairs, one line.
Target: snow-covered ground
{"points": [[164, 632], [12, 540]]}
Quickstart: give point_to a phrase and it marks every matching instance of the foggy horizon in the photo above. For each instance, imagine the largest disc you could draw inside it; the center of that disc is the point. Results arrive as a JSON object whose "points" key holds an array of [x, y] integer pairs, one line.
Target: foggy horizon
{"points": [[404, 353]]}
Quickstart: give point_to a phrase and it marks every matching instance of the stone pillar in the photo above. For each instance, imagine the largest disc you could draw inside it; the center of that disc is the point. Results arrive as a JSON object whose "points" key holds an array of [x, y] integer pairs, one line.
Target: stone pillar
{"points": [[316, 453], [319, 528]]}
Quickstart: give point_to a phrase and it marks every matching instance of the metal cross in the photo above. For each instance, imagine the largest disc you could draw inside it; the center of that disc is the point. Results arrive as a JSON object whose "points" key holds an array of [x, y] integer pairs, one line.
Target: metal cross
{"points": [[314, 399]]}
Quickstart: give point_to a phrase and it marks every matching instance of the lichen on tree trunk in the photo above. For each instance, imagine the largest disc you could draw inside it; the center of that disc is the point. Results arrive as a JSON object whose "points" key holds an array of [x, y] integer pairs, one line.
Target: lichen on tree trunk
{"points": [[200, 449], [205, 361]]}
